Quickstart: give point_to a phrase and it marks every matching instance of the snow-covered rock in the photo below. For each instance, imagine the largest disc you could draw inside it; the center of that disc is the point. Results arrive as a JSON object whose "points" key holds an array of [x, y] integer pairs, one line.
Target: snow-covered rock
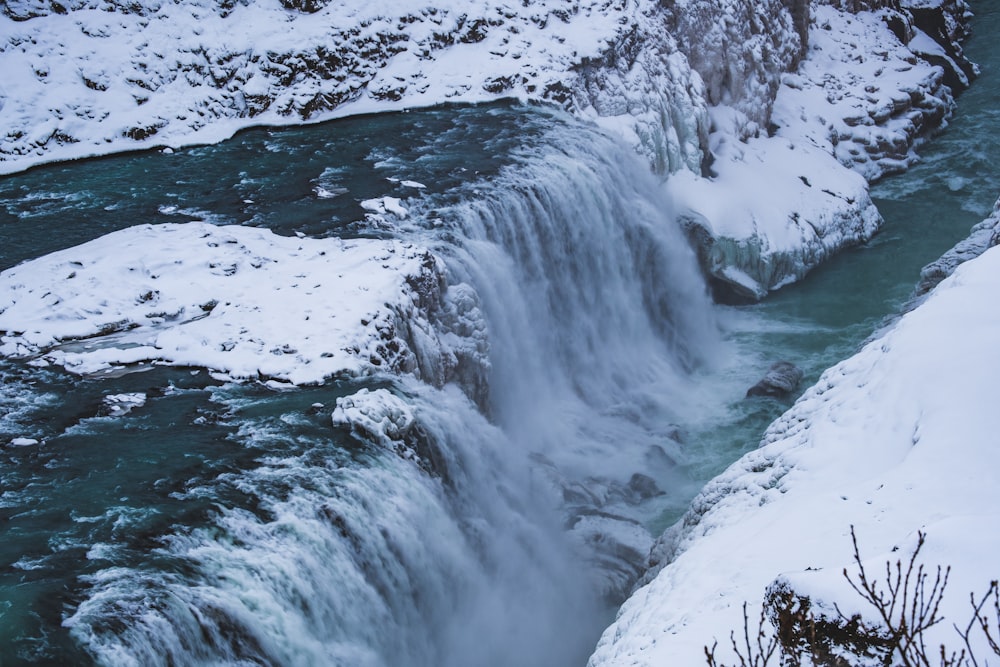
{"points": [[870, 109], [781, 379], [118, 405], [93, 76], [777, 202], [892, 441], [774, 210], [246, 303], [983, 236], [695, 87]]}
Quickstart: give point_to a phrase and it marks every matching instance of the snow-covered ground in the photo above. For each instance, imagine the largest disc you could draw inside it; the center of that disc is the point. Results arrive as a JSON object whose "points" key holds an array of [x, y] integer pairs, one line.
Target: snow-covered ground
{"points": [[243, 302], [102, 76], [895, 440], [106, 76]]}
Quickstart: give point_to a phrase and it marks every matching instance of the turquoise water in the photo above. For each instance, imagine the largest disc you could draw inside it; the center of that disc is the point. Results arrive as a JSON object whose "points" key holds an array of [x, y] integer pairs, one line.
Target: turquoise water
{"points": [[234, 524]]}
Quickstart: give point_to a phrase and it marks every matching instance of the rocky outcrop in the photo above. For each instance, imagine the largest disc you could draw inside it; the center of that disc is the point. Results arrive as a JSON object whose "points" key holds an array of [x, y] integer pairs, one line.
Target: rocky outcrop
{"points": [[945, 22], [983, 236], [865, 95]]}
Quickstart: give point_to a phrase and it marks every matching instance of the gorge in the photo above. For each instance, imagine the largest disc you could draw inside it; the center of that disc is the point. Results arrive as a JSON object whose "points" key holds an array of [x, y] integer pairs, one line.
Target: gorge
{"points": [[423, 387]]}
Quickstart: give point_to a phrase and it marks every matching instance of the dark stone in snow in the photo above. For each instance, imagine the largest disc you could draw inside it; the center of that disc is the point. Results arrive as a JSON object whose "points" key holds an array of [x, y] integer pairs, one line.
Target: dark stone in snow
{"points": [[780, 380]]}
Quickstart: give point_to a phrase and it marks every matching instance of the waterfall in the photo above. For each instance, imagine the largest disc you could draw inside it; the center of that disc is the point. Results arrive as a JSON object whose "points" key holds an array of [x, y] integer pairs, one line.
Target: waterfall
{"points": [[330, 554], [596, 308], [442, 539]]}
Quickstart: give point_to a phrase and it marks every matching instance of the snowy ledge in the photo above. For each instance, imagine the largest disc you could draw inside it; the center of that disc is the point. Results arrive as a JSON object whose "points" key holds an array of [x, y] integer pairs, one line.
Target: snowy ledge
{"points": [[243, 302], [779, 205], [894, 440]]}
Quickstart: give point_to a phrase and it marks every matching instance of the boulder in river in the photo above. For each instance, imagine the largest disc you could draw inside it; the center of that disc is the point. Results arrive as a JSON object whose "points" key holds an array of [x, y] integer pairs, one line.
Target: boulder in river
{"points": [[780, 380]]}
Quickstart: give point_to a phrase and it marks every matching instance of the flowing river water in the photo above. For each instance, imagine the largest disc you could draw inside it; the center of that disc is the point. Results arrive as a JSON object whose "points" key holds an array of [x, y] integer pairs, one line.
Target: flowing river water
{"points": [[225, 523]]}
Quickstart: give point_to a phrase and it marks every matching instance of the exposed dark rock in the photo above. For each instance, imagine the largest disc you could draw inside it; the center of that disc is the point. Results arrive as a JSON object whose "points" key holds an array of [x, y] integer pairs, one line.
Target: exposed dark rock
{"points": [[830, 641], [855, 6], [643, 487], [799, 9], [945, 24], [141, 133], [498, 84], [780, 380], [307, 6]]}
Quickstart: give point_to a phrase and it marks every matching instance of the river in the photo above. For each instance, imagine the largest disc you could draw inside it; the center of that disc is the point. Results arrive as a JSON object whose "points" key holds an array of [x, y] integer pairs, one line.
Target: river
{"points": [[224, 523]]}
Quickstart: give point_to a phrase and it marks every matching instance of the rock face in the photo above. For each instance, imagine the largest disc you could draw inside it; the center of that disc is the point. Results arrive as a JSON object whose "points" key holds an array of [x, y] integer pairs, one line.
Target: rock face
{"points": [[740, 50]]}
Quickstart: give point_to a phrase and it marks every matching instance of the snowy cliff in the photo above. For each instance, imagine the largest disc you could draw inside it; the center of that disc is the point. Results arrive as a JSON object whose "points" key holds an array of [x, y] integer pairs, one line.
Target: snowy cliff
{"points": [[719, 92], [891, 441], [226, 298]]}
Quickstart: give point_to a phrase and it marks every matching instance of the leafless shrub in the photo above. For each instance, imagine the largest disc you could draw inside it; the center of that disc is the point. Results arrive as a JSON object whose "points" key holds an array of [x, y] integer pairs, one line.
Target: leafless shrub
{"points": [[907, 603]]}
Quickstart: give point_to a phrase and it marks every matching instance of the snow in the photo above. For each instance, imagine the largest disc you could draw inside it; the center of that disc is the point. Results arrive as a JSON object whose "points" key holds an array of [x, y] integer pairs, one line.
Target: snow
{"points": [[664, 76], [118, 405], [241, 301], [861, 94], [894, 440], [776, 206], [188, 72], [383, 205]]}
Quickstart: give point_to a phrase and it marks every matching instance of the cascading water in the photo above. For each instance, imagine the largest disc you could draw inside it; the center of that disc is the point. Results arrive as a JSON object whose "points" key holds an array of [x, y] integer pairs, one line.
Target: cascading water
{"points": [[326, 554], [597, 314], [235, 525]]}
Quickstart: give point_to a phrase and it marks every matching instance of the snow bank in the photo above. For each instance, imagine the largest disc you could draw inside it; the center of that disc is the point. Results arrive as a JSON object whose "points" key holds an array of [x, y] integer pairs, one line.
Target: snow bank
{"points": [[98, 77], [241, 301], [894, 440]]}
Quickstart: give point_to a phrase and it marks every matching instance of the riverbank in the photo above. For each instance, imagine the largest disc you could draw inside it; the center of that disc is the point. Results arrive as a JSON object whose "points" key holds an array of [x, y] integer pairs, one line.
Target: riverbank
{"points": [[893, 441]]}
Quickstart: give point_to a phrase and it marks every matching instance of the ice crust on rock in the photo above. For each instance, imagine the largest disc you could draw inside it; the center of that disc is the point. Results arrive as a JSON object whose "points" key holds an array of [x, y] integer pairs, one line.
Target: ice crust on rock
{"points": [[982, 236], [244, 302], [892, 441]]}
